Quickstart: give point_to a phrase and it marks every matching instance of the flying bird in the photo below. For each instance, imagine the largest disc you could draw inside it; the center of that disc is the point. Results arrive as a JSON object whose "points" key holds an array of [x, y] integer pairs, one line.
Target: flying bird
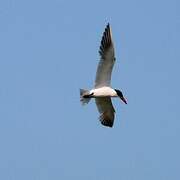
{"points": [[102, 91]]}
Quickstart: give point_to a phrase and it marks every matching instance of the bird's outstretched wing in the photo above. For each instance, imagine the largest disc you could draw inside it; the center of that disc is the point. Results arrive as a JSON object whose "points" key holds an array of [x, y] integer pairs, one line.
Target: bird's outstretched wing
{"points": [[106, 110], [107, 55]]}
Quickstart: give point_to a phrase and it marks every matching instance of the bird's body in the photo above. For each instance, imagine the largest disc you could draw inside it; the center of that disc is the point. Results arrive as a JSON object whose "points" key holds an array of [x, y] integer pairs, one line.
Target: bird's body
{"points": [[102, 91]]}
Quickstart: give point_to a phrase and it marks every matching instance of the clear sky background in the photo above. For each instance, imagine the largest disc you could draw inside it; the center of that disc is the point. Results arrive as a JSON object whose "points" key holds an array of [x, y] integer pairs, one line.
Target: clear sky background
{"points": [[48, 50]]}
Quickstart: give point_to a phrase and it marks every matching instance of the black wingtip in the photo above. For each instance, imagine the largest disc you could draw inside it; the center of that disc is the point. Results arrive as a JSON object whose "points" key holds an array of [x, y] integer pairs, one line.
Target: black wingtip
{"points": [[106, 40], [108, 26], [106, 121]]}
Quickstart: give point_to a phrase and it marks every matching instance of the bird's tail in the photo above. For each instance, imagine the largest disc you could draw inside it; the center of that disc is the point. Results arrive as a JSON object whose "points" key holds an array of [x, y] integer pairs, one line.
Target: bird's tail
{"points": [[85, 97]]}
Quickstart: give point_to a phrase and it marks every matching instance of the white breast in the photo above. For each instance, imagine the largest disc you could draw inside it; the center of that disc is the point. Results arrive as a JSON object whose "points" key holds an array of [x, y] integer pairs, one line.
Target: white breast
{"points": [[103, 92]]}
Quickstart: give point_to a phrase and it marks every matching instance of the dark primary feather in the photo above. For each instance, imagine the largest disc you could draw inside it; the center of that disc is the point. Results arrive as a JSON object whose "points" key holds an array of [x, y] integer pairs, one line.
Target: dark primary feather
{"points": [[107, 119], [106, 41]]}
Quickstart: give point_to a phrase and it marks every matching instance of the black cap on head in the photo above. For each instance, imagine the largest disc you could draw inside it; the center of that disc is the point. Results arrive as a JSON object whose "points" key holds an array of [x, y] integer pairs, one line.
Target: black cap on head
{"points": [[119, 93]]}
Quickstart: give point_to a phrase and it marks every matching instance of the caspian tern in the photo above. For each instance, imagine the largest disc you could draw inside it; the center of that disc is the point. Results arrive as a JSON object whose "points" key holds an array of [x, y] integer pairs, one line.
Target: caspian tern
{"points": [[102, 91]]}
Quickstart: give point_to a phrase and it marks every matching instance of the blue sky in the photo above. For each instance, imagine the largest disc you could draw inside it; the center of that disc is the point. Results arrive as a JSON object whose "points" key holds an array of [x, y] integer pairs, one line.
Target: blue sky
{"points": [[49, 49]]}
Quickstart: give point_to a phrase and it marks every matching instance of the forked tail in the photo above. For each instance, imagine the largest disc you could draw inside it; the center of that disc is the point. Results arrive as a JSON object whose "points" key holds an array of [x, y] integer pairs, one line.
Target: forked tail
{"points": [[84, 96]]}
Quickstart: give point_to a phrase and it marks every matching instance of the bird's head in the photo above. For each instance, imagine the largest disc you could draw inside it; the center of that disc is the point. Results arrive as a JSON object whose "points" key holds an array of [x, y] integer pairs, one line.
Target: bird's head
{"points": [[120, 95]]}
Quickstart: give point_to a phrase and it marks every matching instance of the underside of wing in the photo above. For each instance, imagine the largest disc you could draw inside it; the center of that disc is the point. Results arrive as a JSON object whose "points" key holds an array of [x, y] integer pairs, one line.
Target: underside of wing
{"points": [[106, 110], [107, 59]]}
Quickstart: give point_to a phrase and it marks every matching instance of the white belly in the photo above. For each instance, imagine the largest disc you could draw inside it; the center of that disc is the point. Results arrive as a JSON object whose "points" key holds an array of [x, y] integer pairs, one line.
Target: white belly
{"points": [[103, 92]]}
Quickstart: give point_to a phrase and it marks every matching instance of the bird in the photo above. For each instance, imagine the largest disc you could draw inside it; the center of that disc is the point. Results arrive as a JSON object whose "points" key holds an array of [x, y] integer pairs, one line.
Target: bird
{"points": [[102, 91]]}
